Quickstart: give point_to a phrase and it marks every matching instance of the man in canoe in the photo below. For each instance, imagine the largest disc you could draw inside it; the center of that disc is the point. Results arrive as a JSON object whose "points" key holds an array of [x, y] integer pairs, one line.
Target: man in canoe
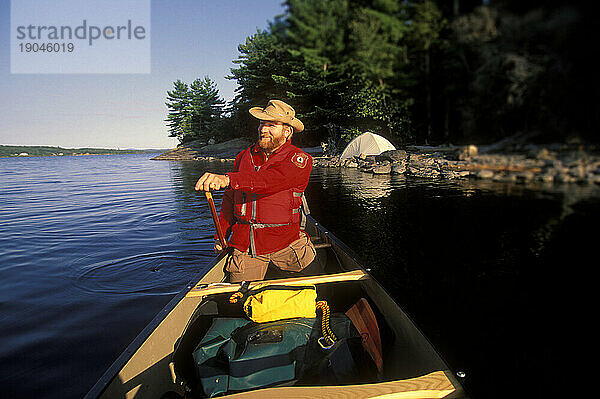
{"points": [[261, 205]]}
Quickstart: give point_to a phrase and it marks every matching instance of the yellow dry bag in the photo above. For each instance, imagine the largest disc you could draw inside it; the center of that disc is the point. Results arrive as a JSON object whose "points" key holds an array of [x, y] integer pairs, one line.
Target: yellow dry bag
{"points": [[266, 303]]}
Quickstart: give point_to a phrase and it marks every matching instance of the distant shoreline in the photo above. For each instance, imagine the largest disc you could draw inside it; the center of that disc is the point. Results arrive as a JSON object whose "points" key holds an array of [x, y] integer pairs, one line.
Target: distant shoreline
{"points": [[14, 151]]}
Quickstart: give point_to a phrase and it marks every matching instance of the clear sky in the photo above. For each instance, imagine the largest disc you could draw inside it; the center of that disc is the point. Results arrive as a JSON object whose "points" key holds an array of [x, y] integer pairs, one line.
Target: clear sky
{"points": [[189, 39]]}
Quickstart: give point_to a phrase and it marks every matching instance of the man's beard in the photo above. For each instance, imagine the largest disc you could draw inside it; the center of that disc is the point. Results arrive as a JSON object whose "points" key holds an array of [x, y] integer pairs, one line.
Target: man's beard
{"points": [[268, 144]]}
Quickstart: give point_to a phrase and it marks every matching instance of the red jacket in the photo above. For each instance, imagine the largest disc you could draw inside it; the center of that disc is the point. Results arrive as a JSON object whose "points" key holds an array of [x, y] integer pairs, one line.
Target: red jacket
{"points": [[261, 209]]}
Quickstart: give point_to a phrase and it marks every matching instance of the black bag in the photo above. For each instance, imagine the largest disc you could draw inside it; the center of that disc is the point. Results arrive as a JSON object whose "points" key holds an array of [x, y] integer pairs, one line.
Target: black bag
{"points": [[345, 362]]}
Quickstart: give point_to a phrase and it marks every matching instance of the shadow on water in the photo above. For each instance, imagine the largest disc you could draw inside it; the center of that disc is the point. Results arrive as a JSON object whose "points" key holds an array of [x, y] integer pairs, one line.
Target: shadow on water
{"points": [[480, 266]]}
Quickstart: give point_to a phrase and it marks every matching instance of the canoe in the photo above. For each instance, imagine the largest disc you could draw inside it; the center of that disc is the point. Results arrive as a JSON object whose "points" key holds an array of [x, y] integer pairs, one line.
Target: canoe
{"points": [[410, 366]]}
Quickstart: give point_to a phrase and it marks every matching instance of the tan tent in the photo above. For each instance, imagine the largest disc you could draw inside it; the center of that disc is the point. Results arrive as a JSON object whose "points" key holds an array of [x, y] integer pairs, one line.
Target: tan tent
{"points": [[367, 143]]}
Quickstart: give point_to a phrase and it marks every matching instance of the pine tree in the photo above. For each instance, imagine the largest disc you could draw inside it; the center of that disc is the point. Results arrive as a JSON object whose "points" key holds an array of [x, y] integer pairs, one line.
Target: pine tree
{"points": [[194, 110], [262, 59], [378, 56], [427, 22], [206, 108], [345, 65], [178, 102], [315, 34], [264, 65]]}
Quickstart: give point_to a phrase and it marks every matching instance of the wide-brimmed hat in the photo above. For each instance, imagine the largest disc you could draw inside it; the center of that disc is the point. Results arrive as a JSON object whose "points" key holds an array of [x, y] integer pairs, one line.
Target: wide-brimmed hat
{"points": [[278, 111]]}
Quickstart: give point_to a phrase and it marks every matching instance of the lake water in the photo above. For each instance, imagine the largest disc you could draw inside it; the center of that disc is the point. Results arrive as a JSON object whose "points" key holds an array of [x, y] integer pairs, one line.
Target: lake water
{"points": [[92, 247]]}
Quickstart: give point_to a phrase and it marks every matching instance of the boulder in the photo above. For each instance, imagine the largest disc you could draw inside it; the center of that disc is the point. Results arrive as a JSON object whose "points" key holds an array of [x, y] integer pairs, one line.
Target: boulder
{"points": [[382, 169], [525, 176], [566, 179], [545, 154], [226, 149], [468, 151], [398, 168], [485, 174], [547, 177], [392, 156]]}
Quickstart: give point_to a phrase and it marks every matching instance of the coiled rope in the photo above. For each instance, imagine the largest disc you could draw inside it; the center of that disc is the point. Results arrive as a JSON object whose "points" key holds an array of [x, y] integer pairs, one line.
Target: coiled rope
{"points": [[328, 335], [236, 296]]}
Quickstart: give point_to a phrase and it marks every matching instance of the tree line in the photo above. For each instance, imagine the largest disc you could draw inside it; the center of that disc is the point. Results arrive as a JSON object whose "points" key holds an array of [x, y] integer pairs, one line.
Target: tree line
{"points": [[42, 151], [418, 71]]}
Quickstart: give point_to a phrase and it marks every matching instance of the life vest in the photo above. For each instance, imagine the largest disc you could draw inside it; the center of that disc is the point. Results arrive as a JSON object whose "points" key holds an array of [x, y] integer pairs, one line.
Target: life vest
{"points": [[279, 209]]}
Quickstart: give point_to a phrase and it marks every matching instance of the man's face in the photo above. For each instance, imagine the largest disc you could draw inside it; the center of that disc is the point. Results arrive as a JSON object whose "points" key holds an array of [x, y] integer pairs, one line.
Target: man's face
{"points": [[271, 135]]}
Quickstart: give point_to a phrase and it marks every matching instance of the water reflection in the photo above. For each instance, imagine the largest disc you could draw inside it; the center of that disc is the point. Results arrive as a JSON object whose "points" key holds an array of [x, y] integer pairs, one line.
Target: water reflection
{"points": [[370, 189]]}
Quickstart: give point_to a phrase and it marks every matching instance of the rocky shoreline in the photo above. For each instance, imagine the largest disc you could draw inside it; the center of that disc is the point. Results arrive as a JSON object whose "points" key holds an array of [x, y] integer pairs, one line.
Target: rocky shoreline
{"points": [[550, 164], [509, 162], [195, 151]]}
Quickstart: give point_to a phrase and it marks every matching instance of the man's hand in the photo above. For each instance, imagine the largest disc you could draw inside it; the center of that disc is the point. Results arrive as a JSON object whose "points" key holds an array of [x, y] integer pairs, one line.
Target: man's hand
{"points": [[210, 181]]}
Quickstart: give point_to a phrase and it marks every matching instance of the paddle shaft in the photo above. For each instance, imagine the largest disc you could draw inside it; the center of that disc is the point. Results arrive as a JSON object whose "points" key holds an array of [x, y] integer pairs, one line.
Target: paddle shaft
{"points": [[215, 216], [203, 289]]}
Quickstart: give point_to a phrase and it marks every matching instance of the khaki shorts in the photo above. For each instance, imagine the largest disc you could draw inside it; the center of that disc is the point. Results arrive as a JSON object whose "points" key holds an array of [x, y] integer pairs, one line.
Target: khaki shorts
{"points": [[243, 267]]}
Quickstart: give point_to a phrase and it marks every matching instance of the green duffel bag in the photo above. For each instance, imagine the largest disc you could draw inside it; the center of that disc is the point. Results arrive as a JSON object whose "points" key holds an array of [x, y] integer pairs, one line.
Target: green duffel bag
{"points": [[237, 355]]}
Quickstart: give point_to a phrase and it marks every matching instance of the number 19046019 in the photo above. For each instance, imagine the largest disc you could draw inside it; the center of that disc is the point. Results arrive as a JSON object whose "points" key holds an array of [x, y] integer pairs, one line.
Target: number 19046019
{"points": [[47, 47]]}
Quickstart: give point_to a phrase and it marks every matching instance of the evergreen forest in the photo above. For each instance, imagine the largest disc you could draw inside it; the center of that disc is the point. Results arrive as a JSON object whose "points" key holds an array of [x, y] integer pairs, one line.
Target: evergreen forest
{"points": [[413, 71]]}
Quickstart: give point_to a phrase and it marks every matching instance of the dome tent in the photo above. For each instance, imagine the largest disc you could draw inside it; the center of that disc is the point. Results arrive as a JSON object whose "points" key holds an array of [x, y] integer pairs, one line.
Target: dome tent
{"points": [[367, 143]]}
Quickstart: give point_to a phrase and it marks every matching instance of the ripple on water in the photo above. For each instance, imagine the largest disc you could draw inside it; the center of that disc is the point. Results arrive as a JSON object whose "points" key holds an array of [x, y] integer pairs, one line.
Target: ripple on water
{"points": [[153, 273]]}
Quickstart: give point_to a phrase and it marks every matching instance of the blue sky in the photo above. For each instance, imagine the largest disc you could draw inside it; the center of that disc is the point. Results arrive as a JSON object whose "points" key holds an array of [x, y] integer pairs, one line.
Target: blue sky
{"points": [[189, 39]]}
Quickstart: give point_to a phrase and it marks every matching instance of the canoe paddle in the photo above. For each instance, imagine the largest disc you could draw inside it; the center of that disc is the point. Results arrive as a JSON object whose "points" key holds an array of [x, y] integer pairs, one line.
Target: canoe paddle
{"points": [[203, 289], [215, 217], [364, 320]]}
